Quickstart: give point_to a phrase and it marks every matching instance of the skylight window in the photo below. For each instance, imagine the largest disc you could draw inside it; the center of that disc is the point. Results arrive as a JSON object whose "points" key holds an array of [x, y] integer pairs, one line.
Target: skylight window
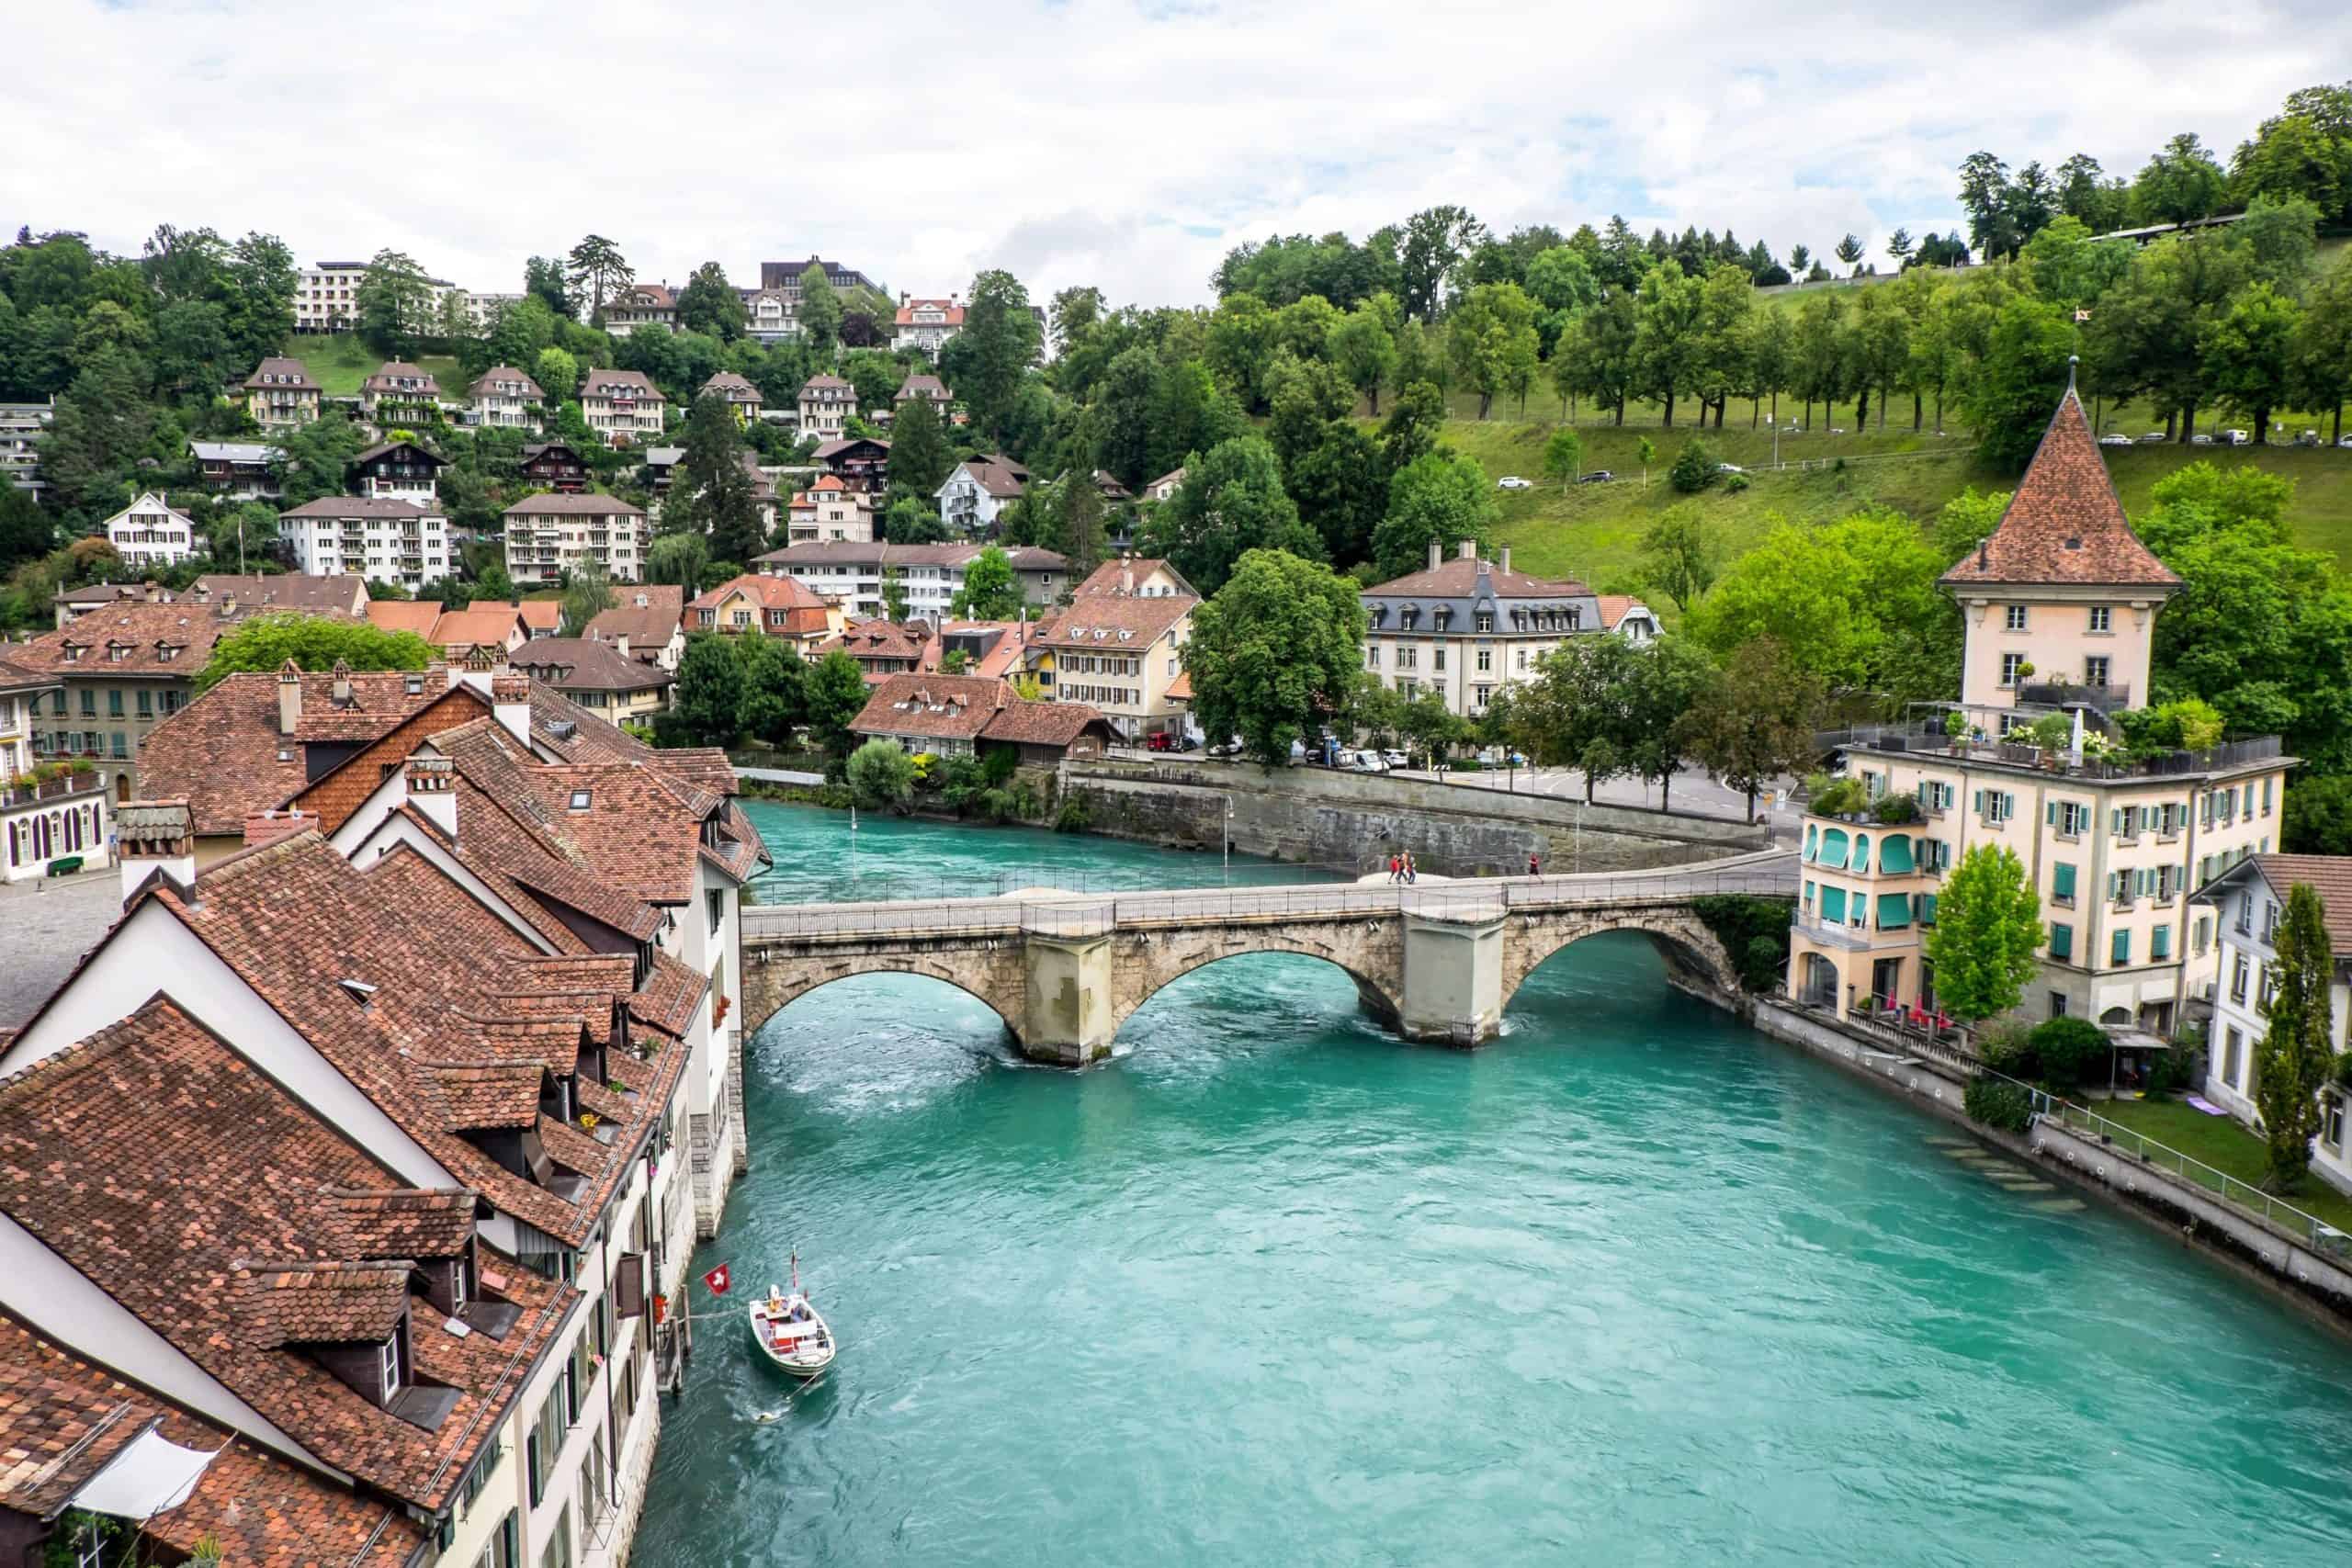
{"points": [[580, 800], [359, 991]]}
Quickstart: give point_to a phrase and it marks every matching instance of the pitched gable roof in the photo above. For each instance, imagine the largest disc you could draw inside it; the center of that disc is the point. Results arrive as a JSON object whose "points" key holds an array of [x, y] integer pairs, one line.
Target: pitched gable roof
{"points": [[2066, 523]]}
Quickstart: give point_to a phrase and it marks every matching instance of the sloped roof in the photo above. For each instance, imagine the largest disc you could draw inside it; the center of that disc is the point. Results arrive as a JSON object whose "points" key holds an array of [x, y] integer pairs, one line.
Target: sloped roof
{"points": [[1094, 621], [285, 590], [1112, 577], [770, 592], [731, 385], [647, 613], [2330, 876], [486, 383], [481, 625], [584, 664], [587, 503], [282, 368], [400, 369], [404, 614], [2064, 523]]}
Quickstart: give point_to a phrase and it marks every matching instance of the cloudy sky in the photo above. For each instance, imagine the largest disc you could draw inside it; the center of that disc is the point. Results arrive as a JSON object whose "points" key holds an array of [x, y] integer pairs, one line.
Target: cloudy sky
{"points": [[1107, 141]]}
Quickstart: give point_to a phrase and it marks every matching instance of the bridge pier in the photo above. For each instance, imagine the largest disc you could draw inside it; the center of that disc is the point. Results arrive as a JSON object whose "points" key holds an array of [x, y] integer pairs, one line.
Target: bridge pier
{"points": [[1066, 1019], [1453, 975]]}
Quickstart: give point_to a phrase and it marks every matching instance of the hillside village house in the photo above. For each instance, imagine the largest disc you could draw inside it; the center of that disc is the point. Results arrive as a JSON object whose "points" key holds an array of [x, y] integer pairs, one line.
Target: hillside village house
{"points": [[1119, 653], [926, 324], [772, 606], [861, 462], [975, 494], [826, 404], [768, 318], [399, 393], [556, 466], [401, 470], [548, 534], [647, 622], [882, 648], [641, 307], [22, 426], [920, 388], [932, 575], [622, 407], [1134, 577], [1164, 487], [241, 471], [148, 533], [2247, 903], [279, 395], [737, 391], [116, 672], [598, 675], [379, 539], [42, 820], [2115, 844], [1466, 627], [503, 398], [830, 510], [1628, 617], [515, 1114]]}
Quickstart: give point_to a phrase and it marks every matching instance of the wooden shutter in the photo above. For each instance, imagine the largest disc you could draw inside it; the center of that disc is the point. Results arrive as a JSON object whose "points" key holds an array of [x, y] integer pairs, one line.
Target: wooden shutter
{"points": [[628, 1285]]}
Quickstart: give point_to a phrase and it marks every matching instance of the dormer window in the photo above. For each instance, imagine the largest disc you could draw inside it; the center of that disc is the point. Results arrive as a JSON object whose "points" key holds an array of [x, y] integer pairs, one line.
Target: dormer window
{"points": [[73, 653], [387, 1367], [359, 991]]}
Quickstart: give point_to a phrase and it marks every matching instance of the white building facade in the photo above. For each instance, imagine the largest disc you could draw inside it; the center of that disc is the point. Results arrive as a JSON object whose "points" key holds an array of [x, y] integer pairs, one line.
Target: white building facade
{"points": [[548, 535], [147, 533], [381, 538]]}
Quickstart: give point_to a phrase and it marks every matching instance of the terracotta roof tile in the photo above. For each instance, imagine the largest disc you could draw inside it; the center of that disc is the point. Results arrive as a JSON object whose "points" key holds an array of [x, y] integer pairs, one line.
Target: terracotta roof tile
{"points": [[404, 614], [154, 641], [410, 1221], [483, 1094], [285, 590], [2330, 876], [582, 664], [320, 1304], [2066, 522], [1094, 622]]}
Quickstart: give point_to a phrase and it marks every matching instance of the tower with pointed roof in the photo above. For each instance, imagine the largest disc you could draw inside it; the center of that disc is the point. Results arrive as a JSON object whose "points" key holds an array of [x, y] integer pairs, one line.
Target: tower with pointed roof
{"points": [[2060, 600]]}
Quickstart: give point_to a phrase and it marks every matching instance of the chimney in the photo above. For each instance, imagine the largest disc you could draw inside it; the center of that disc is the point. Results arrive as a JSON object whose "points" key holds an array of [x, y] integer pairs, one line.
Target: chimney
{"points": [[1437, 554], [510, 700], [1127, 580], [154, 591], [265, 827], [1506, 560], [1982, 562], [290, 698], [1468, 549], [342, 684], [430, 783], [152, 836]]}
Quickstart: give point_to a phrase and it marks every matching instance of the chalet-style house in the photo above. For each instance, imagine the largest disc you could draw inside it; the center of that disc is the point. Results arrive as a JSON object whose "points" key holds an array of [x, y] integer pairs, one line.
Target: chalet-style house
{"points": [[279, 395], [738, 393], [239, 471], [862, 462], [398, 470], [923, 387], [647, 623], [399, 393], [556, 466]]}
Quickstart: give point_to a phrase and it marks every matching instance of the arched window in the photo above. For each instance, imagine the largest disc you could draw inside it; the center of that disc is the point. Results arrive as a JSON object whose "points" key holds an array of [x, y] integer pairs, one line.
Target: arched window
{"points": [[1861, 852]]}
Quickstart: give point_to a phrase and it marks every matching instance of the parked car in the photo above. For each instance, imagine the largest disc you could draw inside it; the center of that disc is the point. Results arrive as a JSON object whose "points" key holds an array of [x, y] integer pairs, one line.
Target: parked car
{"points": [[2345, 442], [2201, 441], [2309, 438], [2234, 438], [1226, 749], [1512, 481], [1170, 741], [1496, 757], [2153, 439], [1729, 468], [2115, 441], [1366, 762], [1598, 476], [1394, 758]]}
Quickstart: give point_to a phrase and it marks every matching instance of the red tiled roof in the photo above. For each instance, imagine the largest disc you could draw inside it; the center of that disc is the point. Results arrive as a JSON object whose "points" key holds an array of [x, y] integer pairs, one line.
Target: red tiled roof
{"points": [[282, 368], [143, 631], [541, 614], [966, 708], [583, 664], [768, 592], [1112, 577], [953, 312], [553, 503], [2330, 876], [1457, 578], [2066, 522], [404, 614], [648, 614], [212, 1214], [1144, 621], [877, 639], [490, 1094], [222, 752], [490, 625], [282, 591]]}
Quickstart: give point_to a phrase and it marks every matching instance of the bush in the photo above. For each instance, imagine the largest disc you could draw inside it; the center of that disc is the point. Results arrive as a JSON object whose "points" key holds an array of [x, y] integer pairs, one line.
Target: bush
{"points": [[880, 774], [2070, 1049], [1694, 467], [999, 765], [2006, 1047], [1755, 934], [1839, 797], [1893, 810], [1074, 818], [1998, 1103], [1735, 483]]}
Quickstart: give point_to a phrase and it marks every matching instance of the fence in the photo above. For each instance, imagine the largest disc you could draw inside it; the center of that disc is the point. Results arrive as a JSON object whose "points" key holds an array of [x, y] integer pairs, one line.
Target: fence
{"points": [[1768, 874]]}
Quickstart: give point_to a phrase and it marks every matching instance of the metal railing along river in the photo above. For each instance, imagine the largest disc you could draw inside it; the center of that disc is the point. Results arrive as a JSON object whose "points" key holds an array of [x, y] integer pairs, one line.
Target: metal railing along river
{"points": [[1768, 874]]}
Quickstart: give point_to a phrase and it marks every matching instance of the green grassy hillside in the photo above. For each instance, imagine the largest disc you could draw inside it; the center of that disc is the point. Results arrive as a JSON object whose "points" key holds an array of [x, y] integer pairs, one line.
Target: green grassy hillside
{"points": [[338, 362], [1593, 532]]}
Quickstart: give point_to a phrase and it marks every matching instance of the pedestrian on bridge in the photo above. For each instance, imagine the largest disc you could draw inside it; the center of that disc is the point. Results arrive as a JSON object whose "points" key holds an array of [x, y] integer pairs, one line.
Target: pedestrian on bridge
{"points": [[1412, 872], [1535, 865], [1395, 868]]}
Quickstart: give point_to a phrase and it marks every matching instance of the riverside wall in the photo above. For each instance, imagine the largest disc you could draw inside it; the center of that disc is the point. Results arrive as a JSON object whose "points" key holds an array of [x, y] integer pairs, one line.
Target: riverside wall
{"points": [[2265, 1254], [1354, 821]]}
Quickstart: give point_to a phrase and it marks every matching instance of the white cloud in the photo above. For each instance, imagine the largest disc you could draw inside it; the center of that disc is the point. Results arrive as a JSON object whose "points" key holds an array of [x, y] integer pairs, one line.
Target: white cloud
{"points": [[1093, 141]]}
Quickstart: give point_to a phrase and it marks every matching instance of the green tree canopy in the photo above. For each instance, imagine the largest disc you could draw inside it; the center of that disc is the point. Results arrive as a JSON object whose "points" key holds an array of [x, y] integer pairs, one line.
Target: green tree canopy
{"points": [[587, 593], [314, 643], [1232, 501], [881, 775], [708, 303], [920, 460], [709, 693], [1988, 926], [2298, 1051], [833, 693], [1756, 721], [1278, 646], [1437, 498], [991, 591]]}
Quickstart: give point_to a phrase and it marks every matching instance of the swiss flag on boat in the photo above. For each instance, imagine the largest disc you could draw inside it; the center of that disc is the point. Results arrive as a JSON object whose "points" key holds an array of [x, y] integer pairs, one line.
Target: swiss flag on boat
{"points": [[717, 1280]]}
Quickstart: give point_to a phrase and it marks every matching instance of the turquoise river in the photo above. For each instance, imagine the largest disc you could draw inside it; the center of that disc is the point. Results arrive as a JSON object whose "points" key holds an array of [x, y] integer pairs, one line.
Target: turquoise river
{"points": [[1632, 1284]]}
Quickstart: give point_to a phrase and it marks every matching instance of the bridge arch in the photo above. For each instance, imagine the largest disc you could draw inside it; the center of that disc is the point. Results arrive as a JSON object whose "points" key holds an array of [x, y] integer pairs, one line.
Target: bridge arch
{"points": [[1691, 949], [771, 984], [1143, 964]]}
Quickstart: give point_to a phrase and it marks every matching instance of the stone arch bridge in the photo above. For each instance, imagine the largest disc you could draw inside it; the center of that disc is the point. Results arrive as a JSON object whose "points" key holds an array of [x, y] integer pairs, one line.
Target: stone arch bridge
{"points": [[1434, 963]]}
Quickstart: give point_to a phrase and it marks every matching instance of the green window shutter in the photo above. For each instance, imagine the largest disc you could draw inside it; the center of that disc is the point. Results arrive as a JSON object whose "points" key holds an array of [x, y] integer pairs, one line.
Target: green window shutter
{"points": [[1926, 908], [2062, 882], [1893, 911], [1977, 804], [2160, 943], [2120, 949], [1812, 840], [1833, 904], [2050, 814], [2009, 805], [2062, 941]]}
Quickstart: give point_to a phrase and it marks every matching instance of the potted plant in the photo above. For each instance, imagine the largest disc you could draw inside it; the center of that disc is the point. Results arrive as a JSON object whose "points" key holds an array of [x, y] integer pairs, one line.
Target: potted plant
{"points": [[1956, 731]]}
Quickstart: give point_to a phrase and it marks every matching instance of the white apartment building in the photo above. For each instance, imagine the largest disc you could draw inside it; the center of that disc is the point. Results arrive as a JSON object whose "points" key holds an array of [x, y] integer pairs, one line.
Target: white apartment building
{"points": [[851, 574], [623, 407], [927, 325], [21, 426], [546, 534], [503, 398], [326, 297], [826, 404], [147, 533], [380, 538], [2248, 901]]}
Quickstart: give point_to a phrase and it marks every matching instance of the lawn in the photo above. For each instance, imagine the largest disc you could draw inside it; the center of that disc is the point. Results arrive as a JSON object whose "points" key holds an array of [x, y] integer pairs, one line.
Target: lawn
{"points": [[1593, 532], [338, 362], [2221, 1142]]}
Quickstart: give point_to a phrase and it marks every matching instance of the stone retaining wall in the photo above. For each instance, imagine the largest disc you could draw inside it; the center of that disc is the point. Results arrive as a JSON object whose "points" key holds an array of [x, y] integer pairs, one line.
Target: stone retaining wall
{"points": [[1354, 821]]}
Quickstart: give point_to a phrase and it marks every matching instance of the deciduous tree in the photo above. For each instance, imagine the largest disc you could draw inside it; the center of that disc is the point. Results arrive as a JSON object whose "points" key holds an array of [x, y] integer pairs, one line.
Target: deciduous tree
{"points": [[1988, 926], [708, 303], [1440, 499], [2298, 1049], [1232, 501], [314, 643], [1755, 721], [986, 361], [709, 692], [991, 591], [1275, 648]]}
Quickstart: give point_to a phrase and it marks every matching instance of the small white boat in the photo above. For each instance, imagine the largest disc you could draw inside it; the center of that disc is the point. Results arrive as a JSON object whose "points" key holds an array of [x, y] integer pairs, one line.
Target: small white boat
{"points": [[790, 1331]]}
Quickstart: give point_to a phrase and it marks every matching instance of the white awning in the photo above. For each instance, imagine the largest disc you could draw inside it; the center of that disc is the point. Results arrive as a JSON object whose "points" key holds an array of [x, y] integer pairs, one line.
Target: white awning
{"points": [[151, 1475]]}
